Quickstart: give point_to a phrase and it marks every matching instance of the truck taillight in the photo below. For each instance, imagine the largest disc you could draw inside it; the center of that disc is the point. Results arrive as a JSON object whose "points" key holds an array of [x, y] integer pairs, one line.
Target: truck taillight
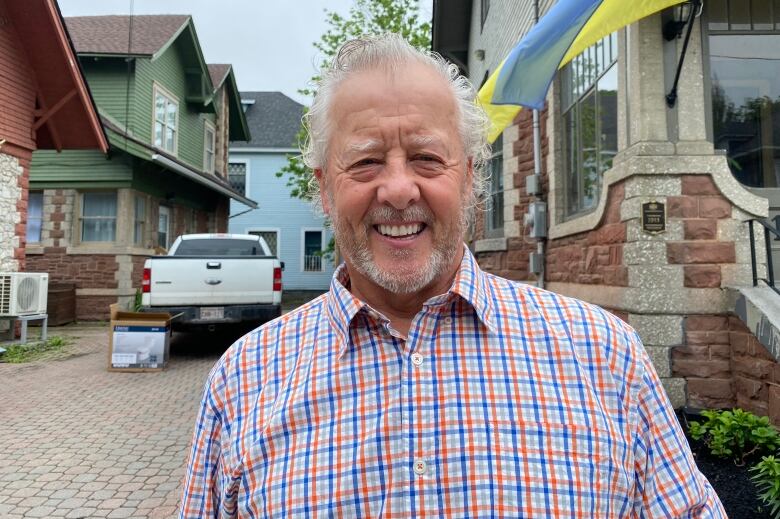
{"points": [[277, 279], [146, 282]]}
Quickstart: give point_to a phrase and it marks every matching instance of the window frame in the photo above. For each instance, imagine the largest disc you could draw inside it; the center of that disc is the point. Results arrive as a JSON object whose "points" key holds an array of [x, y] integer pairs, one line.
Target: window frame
{"points": [[29, 218], [169, 211], [208, 126], [139, 238], [82, 218], [159, 90], [304, 230], [492, 231], [247, 176], [571, 102]]}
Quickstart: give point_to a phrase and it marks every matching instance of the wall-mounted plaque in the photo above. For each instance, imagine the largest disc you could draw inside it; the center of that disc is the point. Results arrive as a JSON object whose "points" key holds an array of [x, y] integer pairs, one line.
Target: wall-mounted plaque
{"points": [[653, 217]]}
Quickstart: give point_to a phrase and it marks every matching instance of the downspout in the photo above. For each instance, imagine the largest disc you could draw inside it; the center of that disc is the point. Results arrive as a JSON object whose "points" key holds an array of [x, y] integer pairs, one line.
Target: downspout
{"points": [[538, 169]]}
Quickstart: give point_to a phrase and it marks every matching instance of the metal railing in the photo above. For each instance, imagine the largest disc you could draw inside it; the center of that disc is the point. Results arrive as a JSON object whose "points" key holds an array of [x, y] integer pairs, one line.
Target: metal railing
{"points": [[769, 230], [312, 263]]}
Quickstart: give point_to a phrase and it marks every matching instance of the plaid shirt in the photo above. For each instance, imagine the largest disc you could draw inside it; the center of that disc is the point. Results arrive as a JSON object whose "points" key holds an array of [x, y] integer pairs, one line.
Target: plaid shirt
{"points": [[503, 401]]}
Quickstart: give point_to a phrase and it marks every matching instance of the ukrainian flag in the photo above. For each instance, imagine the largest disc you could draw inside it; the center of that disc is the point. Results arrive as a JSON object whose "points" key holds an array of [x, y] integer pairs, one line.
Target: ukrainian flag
{"points": [[570, 27]]}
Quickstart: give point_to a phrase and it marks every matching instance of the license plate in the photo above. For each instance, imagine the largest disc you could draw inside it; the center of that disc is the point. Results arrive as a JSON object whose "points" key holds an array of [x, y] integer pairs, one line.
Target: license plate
{"points": [[214, 312]]}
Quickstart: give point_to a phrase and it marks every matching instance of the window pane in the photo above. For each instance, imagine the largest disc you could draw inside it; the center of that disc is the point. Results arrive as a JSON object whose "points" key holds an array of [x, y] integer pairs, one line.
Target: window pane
{"points": [[237, 176], [34, 216], [219, 247], [312, 242], [572, 159], [739, 15], [158, 133], [98, 229], [590, 152], [761, 14], [171, 114], [99, 204], [169, 139], [159, 108], [271, 240], [607, 89], [746, 105], [718, 15]]}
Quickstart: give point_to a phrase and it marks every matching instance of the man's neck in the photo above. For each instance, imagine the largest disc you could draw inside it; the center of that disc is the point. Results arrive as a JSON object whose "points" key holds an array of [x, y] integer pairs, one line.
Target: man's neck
{"points": [[400, 308]]}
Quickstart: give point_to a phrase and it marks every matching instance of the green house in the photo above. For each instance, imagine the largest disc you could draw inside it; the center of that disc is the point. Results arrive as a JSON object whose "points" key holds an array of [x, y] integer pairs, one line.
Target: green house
{"points": [[169, 116]]}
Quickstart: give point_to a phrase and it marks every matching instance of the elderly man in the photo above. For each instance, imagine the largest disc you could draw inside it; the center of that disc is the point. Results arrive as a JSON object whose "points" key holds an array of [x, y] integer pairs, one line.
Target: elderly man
{"points": [[420, 385]]}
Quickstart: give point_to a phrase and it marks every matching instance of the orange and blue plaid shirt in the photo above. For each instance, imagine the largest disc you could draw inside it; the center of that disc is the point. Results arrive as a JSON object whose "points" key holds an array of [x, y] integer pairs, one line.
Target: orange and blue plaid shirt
{"points": [[504, 400]]}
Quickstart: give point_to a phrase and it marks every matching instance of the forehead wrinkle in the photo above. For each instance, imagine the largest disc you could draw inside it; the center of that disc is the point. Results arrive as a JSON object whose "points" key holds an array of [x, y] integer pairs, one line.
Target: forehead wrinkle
{"points": [[363, 145]]}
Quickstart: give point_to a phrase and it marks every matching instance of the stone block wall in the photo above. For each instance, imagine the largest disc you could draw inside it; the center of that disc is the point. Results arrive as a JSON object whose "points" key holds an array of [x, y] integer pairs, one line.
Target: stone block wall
{"points": [[725, 366], [13, 208]]}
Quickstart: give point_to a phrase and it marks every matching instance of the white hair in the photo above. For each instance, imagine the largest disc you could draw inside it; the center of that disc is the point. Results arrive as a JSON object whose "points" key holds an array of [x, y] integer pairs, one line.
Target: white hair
{"points": [[390, 51]]}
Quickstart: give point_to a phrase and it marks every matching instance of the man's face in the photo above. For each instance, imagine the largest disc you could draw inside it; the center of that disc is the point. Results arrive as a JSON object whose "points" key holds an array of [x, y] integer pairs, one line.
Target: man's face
{"points": [[396, 177]]}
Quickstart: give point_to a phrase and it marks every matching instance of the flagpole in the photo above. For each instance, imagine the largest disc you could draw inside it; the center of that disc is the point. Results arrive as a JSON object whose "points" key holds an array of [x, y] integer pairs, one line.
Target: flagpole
{"points": [[538, 170]]}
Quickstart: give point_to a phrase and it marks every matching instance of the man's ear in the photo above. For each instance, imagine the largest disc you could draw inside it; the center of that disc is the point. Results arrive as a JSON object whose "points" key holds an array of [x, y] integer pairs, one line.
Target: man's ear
{"points": [[324, 200]]}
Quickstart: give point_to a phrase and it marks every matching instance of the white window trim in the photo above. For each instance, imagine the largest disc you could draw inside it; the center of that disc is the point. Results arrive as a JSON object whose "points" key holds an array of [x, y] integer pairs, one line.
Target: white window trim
{"points": [[27, 224], [248, 180], [210, 126], [278, 232], [302, 254], [80, 219], [157, 88]]}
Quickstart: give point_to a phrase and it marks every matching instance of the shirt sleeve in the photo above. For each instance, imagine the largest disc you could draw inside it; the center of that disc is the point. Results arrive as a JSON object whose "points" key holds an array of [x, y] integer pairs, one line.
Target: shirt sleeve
{"points": [[202, 484], [668, 483]]}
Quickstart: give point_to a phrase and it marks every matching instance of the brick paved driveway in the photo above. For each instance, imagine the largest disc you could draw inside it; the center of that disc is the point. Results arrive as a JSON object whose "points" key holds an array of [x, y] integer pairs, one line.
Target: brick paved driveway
{"points": [[78, 441]]}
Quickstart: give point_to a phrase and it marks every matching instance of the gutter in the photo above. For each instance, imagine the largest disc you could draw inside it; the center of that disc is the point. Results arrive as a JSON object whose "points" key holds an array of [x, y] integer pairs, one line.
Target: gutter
{"points": [[200, 179]]}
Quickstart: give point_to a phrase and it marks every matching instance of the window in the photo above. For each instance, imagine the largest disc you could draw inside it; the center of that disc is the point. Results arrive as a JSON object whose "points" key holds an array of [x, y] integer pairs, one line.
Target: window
{"points": [[34, 216], [312, 251], [744, 47], [237, 176], [271, 239], [164, 227], [494, 217], [166, 120], [209, 136], [139, 220], [589, 112], [98, 217]]}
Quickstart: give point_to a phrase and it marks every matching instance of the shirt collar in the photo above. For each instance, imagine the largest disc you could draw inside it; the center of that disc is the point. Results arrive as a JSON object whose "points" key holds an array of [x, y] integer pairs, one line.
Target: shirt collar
{"points": [[470, 284]]}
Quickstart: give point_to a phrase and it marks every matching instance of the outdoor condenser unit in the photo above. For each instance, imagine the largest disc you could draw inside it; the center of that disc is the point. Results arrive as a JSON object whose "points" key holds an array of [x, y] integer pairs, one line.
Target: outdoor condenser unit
{"points": [[23, 293]]}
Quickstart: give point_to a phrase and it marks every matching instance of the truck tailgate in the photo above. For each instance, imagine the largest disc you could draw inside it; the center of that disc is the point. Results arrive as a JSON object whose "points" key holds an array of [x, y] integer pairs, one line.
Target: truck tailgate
{"points": [[211, 281]]}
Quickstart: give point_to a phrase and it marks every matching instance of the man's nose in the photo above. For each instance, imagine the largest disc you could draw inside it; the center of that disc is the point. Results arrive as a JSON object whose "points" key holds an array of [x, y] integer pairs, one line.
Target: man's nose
{"points": [[398, 187]]}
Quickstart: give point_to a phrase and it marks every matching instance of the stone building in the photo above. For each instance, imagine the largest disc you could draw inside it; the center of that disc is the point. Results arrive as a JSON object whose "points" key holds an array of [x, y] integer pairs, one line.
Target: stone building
{"points": [[612, 150], [44, 104]]}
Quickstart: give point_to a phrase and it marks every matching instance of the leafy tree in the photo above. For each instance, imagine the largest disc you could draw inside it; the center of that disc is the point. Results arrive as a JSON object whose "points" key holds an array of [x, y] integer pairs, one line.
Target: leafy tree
{"points": [[365, 17]]}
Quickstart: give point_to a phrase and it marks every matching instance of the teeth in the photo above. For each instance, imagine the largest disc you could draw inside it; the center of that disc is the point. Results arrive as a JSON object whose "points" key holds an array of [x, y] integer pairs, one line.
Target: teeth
{"points": [[400, 230]]}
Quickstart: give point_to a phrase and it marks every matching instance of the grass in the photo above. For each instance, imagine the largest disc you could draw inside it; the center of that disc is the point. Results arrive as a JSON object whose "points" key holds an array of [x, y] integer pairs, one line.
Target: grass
{"points": [[32, 351]]}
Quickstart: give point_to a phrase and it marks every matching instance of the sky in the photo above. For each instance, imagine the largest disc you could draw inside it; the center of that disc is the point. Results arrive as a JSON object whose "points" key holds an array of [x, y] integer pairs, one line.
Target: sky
{"points": [[269, 42]]}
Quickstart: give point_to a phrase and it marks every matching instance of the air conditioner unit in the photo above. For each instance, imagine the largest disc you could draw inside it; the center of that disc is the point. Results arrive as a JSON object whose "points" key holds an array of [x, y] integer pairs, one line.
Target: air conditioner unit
{"points": [[23, 293]]}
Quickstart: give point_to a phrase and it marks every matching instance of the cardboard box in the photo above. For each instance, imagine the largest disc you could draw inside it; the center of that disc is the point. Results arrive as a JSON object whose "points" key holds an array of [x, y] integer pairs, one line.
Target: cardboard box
{"points": [[138, 341]]}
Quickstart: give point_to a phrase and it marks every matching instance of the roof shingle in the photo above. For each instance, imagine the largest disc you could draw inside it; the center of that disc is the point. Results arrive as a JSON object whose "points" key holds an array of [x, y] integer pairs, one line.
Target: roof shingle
{"points": [[274, 120], [218, 73], [109, 34]]}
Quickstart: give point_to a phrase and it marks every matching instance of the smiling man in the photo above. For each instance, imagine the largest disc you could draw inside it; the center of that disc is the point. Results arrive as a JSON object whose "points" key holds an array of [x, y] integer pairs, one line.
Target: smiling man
{"points": [[420, 385]]}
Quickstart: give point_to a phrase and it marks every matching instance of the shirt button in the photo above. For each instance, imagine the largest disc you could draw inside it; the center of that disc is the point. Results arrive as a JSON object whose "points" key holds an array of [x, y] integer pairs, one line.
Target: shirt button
{"points": [[448, 320], [419, 467], [417, 359]]}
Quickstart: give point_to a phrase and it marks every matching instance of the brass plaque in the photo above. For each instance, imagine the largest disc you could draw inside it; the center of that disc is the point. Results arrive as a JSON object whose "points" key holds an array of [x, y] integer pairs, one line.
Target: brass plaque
{"points": [[654, 217]]}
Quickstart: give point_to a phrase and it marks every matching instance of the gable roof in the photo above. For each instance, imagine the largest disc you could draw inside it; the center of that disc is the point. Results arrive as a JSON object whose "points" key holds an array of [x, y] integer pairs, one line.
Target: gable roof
{"points": [[67, 118], [218, 73], [274, 121], [110, 34]]}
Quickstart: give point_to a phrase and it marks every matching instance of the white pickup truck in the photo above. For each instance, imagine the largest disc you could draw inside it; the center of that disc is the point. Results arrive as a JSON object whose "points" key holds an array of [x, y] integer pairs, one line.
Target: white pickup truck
{"points": [[213, 279]]}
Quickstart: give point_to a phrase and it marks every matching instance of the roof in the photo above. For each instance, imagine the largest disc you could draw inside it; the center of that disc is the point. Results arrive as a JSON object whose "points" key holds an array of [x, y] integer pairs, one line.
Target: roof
{"points": [[109, 34], [274, 121], [218, 73], [67, 117]]}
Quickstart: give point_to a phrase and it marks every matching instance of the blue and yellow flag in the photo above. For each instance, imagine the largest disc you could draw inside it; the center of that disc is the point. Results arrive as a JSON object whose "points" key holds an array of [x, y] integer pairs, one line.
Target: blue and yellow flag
{"points": [[570, 27]]}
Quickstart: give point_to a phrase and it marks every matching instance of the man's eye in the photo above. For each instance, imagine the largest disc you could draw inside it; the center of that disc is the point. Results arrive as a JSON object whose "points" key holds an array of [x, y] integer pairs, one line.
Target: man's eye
{"points": [[426, 158], [365, 162]]}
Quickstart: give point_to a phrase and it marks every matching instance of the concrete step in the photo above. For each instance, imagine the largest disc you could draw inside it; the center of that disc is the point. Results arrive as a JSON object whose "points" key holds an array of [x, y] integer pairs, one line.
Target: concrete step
{"points": [[759, 308]]}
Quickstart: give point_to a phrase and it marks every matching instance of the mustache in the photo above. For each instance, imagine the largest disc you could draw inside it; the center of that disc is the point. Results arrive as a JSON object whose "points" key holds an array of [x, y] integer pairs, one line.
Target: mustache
{"points": [[414, 213]]}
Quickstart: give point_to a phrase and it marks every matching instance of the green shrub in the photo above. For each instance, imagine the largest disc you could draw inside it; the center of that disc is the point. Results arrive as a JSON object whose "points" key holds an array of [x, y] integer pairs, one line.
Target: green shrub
{"points": [[20, 353], [736, 434], [766, 476]]}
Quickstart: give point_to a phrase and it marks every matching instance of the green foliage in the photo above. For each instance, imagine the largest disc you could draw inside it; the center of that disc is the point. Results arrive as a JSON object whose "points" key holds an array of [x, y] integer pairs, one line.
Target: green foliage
{"points": [[364, 17], [766, 476], [736, 434], [20, 353], [137, 304]]}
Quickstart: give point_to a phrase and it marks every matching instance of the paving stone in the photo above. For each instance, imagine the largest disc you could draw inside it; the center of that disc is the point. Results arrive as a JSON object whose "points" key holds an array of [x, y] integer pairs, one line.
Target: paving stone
{"points": [[39, 511]]}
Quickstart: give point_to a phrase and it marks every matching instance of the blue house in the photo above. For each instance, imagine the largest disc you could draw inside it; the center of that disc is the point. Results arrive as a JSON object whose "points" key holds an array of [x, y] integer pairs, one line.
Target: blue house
{"points": [[291, 227]]}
